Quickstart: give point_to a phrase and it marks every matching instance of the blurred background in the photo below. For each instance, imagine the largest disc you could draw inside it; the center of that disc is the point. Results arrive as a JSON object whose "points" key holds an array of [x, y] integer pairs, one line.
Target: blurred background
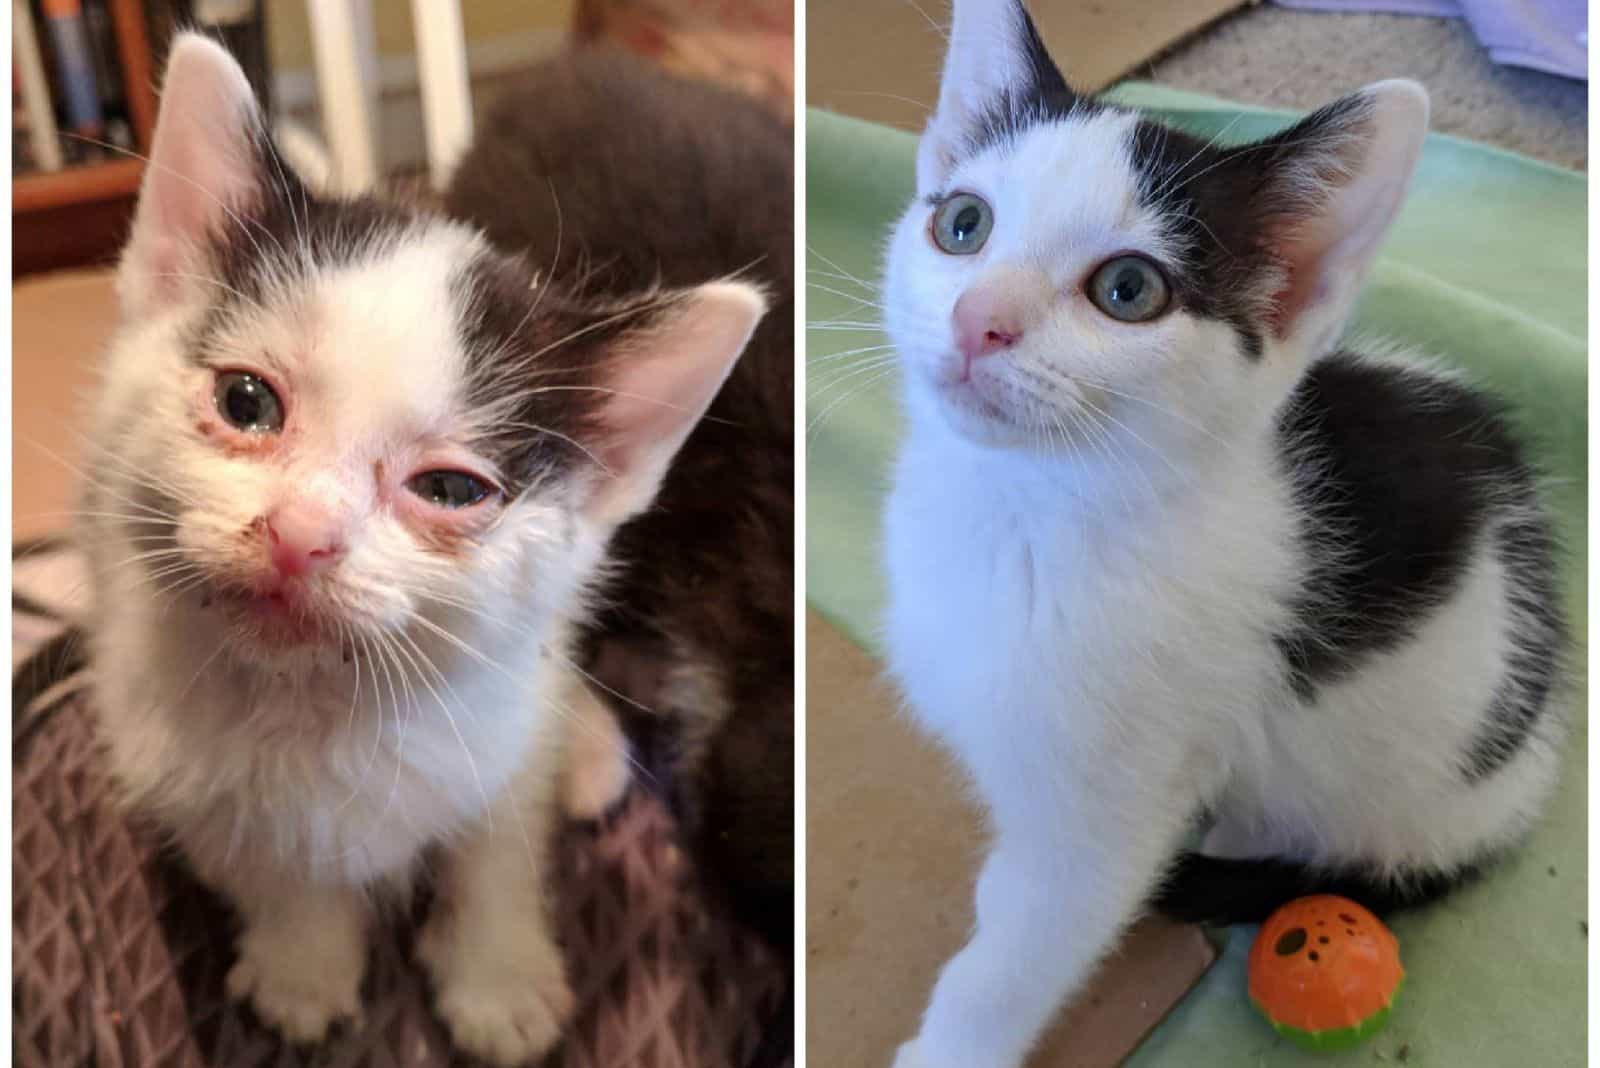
{"points": [[1507, 72], [363, 78]]}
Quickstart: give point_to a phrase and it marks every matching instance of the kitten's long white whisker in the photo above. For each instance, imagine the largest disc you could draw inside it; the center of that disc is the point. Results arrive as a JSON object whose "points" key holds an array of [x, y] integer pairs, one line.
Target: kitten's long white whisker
{"points": [[535, 428], [487, 661], [822, 416], [104, 454], [847, 353], [455, 728], [927, 109], [844, 326], [835, 376], [812, 250], [81, 473], [861, 302]]}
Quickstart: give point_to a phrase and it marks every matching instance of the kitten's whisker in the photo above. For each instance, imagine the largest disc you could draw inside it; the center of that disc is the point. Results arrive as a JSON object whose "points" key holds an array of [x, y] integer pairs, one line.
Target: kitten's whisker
{"points": [[653, 304], [837, 375], [846, 354], [555, 261], [106, 454], [90, 479], [845, 274], [1158, 453], [455, 728], [849, 325], [602, 389], [399, 754], [535, 428], [861, 302], [927, 109], [861, 387]]}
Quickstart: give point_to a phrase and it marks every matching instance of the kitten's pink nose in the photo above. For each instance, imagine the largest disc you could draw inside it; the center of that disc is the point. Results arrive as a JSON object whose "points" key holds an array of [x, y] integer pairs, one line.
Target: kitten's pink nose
{"points": [[302, 539], [994, 314]]}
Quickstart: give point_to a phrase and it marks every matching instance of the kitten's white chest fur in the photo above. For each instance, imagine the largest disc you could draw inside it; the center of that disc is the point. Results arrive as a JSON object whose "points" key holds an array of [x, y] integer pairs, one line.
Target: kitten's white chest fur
{"points": [[345, 772], [1030, 602]]}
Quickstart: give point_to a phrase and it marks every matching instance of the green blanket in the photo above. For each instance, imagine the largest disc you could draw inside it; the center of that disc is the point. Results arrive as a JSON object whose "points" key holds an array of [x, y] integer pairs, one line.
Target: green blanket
{"points": [[1487, 268]]}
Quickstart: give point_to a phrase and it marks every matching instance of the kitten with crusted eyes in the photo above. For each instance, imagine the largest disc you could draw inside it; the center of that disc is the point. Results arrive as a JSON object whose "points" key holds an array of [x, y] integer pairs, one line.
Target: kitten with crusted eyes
{"points": [[356, 473], [1159, 549]]}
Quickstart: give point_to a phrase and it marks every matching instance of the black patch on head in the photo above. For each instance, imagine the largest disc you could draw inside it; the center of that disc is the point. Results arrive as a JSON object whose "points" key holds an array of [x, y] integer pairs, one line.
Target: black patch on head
{"points": [[514, 336], [1221, 203], [1400, 476], [285, 230]]}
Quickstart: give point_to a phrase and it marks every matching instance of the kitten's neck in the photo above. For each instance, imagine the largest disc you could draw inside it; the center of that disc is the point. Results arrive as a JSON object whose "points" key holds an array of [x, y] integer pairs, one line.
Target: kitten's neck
{"points": [[1105, 483]]}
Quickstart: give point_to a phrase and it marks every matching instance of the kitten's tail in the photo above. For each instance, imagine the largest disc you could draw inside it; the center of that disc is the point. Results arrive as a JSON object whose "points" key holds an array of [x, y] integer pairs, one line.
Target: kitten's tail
{"points": [[1202, 889]]}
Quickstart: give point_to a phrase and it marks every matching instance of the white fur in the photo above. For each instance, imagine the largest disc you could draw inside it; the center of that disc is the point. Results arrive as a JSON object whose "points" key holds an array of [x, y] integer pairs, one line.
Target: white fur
{"points": [[304, 779], [1088, 555]]}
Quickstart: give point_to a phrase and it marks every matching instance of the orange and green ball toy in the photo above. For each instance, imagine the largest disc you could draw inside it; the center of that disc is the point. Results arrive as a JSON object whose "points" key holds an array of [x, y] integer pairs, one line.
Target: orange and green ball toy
{"points": [[1324, 972]]}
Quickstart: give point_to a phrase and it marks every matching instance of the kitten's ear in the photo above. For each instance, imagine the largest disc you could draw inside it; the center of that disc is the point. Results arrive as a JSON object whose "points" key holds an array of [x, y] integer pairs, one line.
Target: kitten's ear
{"points": [[671, 372], [1335, 183], [204, 162], [995, 64]]}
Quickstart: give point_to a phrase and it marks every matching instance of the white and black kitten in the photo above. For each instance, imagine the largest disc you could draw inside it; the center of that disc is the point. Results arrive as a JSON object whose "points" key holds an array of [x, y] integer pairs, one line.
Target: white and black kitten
{"points": [[355, 474], [1160, 548]]}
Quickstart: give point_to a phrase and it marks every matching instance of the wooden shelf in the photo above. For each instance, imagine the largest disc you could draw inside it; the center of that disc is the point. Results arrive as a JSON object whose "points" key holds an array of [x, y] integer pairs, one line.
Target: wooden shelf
{"points": [[107, 180], [79, 215]]}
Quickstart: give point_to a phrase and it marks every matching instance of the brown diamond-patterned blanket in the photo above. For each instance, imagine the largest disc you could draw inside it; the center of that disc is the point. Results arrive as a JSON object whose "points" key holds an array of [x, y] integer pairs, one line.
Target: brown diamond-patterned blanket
{"points": [[118, 955]]}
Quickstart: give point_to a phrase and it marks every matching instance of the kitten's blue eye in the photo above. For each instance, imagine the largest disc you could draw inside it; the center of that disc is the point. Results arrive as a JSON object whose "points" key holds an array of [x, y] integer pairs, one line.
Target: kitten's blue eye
{"points": [[961, 224], [248, 403], [1130, 288], [448, 489]]}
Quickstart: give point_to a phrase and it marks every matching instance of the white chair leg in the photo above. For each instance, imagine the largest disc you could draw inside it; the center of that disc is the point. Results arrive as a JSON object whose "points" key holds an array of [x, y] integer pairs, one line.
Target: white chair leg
{"points": [[345, 48], [446, 93]]}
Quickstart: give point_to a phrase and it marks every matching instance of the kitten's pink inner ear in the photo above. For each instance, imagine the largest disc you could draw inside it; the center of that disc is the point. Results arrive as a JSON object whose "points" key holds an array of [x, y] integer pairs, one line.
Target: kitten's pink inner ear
{"points": [[202, 165], [670, 372], [1328, 252]]}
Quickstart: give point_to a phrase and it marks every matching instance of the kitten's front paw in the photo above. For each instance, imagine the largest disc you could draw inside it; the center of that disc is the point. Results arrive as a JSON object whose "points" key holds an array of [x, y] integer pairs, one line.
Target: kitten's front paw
{"points": [[598, 768], [506, 1003], [299, 993]]}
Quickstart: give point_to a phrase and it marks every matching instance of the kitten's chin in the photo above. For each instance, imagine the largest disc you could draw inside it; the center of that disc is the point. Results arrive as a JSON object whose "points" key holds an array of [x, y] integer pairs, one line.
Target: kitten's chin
{"points": [[978, 414], [273, 623]]}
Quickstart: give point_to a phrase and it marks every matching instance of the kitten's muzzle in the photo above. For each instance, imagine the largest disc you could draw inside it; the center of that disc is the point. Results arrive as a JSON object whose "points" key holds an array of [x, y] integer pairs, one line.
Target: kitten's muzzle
{"points": [[997, 310], [302, 539]]}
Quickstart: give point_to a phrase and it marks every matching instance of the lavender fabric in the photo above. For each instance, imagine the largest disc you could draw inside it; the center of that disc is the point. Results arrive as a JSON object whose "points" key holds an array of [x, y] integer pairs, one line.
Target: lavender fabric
{"points": [[1546, 35]]}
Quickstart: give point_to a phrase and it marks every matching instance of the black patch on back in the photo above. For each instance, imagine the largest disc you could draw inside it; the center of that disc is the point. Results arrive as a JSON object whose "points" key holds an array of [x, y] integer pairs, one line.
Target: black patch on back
{"points": [[1400, 476], [1527, 549], [1221, 202]]}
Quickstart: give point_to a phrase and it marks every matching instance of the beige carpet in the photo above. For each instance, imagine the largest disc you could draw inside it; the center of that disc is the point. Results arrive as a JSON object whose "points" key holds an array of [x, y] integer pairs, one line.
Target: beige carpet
{"points": [[1301, 59]]}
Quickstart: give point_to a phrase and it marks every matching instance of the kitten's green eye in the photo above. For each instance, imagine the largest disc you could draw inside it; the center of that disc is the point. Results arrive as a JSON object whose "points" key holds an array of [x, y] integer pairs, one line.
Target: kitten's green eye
{"points": [[248, 403], [1130, 288], [448, 489], [961, 224]]}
